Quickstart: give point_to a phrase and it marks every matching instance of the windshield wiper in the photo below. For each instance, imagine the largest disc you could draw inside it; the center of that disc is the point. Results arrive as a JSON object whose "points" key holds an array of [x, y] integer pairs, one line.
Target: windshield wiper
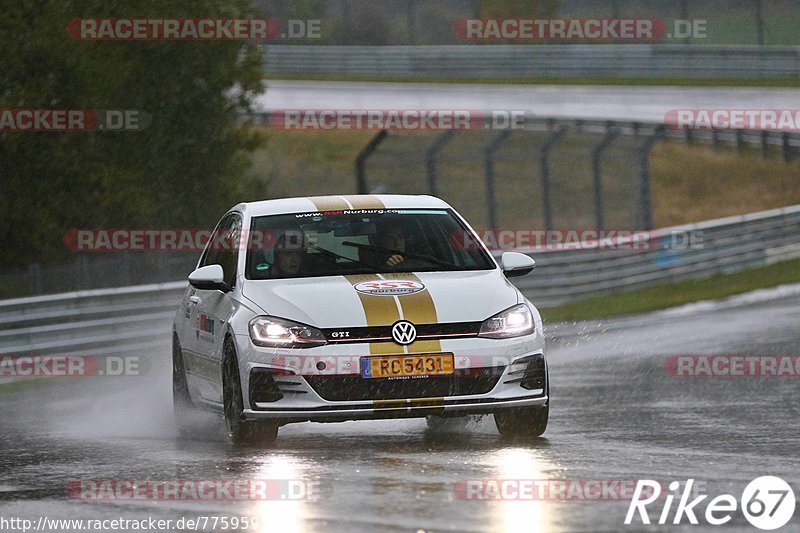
{"points": [[329, 253], [392, 251]]}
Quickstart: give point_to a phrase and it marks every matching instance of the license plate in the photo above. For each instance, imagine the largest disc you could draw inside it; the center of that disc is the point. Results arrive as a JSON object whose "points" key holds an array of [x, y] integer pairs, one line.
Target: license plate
{"points": [[400, 366]]}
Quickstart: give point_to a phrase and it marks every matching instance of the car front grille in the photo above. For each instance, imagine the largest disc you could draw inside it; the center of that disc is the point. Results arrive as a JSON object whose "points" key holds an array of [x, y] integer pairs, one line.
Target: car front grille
{"points": [[447, 330], [354, 388]]}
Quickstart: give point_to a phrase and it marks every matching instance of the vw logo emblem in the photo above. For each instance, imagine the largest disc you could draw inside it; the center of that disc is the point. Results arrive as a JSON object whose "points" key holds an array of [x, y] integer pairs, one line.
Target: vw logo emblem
{"points": [[404, 332]]}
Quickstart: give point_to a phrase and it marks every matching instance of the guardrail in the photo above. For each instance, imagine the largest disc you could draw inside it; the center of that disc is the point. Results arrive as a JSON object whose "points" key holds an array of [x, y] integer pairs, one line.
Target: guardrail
{"points": [[97, 322], [520, 61], [138, 319], [721, 246]]}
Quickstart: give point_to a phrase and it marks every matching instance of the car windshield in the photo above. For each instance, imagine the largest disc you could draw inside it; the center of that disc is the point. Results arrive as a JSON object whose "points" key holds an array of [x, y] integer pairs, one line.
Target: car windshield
{"points": [[361, 241]]}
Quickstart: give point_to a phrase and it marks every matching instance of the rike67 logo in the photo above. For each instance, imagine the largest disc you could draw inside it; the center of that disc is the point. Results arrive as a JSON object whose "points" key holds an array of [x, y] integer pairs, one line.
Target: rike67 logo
{"points": [[767, 502]]}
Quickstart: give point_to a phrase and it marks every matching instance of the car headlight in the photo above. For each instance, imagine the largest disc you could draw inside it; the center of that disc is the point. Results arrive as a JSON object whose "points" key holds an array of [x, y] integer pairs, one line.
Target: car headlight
{"points": [[282, 333], [513, 322]]}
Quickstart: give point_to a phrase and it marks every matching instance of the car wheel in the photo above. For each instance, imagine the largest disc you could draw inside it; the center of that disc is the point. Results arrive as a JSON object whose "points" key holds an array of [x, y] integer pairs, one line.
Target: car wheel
{"points": [[522, 421], [241, 431], [182, 407]]}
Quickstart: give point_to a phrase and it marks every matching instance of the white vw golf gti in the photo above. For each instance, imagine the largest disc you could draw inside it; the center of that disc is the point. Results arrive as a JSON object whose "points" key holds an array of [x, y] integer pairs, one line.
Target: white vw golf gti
{"points": [[338, 308]]}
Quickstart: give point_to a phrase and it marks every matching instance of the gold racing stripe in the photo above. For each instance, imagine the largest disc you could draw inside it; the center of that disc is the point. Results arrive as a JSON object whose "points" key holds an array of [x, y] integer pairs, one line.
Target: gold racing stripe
{"points": [[380, 311], [401, 402], [418, 308], [366, 201], [329, 203], [402, 405]]}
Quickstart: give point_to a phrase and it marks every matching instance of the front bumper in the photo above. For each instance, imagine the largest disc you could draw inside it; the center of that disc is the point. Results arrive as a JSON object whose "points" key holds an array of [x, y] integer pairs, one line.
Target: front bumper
{"points": [[410, 408], [287, 385]]}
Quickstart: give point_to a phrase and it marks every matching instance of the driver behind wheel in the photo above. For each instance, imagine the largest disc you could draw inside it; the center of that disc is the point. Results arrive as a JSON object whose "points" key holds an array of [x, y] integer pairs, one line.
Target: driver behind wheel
{"points": [[392, 236]]}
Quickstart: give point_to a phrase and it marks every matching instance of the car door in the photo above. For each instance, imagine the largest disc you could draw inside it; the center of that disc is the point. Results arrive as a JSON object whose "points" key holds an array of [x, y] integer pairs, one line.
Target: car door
{"points": [[199, 337], [214, 308]]}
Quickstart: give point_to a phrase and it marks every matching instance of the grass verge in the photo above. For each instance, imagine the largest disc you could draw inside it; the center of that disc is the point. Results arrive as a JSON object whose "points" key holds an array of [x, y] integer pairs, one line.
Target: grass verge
{"points": [[679, 293]]}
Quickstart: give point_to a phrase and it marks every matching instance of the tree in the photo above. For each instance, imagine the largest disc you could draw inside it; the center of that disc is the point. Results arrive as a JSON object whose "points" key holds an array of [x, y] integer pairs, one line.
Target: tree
{"points": [[184, 169]]}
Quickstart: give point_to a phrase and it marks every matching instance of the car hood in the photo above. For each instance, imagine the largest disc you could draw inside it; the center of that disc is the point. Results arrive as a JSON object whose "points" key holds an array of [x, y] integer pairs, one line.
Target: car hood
{"points": [[333, 301]]}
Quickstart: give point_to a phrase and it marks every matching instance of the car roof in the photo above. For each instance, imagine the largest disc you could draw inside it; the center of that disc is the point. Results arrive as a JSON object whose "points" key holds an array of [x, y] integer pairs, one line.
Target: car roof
{"points": [[310, 204]]}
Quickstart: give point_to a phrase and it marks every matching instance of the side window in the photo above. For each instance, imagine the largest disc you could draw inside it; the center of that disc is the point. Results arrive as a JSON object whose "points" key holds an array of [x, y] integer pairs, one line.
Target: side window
{"points": [[229, 254], [211, 254], [223, 247]]}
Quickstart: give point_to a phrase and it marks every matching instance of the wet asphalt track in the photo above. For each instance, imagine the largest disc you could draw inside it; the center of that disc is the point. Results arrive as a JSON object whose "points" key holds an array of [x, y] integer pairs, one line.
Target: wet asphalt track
{"points": [[616, 414]]}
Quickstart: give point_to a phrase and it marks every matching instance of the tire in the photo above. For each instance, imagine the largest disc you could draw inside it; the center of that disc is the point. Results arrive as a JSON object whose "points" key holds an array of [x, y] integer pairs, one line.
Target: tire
{"points": [[182, 407], [241, 431], [522, 421]]}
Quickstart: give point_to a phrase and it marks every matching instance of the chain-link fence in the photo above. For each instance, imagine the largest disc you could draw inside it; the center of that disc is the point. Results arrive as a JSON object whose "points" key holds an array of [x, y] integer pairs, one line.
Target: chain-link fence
{"points": [[550, 175]]}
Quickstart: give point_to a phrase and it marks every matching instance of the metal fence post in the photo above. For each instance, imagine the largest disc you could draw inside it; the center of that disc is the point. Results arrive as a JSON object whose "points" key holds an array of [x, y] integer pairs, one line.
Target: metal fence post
{"points": [[161, 258], [82, 265], [645, 214], [764, 145], [685, 16], [412, 34], [491, 208], [545, 169], [35, 278], [430, 159], [787, 148], [739, 141], [361, 161], [615, 9], [597, 154], [760, 22], [125, 269]]}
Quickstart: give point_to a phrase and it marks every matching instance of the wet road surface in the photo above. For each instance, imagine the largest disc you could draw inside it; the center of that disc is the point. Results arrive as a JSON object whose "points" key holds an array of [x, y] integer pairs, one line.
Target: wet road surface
{"points": [[617, 414]]}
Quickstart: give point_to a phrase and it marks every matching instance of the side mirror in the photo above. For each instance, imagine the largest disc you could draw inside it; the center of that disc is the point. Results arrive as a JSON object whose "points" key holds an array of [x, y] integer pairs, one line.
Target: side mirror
{"points": [[209, 278], [516, 264]]}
